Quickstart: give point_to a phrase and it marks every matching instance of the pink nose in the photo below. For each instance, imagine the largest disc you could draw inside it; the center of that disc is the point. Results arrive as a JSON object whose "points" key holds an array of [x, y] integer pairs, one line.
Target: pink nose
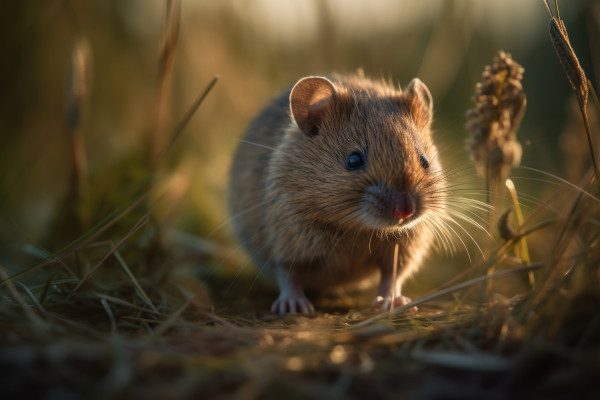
{"points": [[404, 207]]}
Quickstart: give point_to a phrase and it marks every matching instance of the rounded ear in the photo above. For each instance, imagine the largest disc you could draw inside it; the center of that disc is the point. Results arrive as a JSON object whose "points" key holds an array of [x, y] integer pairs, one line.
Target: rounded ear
{"points": [[310, 98], [420, 102]]}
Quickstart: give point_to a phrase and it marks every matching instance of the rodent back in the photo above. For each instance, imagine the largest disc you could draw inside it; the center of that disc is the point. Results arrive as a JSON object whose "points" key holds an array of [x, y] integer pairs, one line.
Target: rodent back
{"points": [[246, 191]]}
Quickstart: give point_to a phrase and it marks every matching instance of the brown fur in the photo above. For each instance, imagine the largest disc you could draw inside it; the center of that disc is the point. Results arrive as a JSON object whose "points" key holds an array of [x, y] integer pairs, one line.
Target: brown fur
{"points": [[309, 221]]}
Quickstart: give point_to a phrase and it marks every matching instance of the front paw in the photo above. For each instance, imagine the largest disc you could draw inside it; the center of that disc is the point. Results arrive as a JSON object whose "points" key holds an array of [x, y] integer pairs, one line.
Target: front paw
{"points": [[385, 303], [287, 304]]}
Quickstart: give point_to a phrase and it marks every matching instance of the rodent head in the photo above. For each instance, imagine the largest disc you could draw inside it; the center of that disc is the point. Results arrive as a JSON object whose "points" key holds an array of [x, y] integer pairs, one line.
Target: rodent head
{"points": [[359, 155]]}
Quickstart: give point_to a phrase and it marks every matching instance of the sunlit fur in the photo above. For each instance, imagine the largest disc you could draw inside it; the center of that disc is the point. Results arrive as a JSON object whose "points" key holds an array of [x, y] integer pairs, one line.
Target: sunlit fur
{"points": [[320, 222]]}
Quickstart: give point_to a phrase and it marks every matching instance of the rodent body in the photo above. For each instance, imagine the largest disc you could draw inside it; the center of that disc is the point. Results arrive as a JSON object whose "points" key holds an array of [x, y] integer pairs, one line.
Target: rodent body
{"points": [[329, 178]]}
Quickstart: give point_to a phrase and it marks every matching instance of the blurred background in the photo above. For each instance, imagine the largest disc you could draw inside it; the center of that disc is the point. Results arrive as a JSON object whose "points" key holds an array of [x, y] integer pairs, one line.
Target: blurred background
{"points": [[256, 48]]}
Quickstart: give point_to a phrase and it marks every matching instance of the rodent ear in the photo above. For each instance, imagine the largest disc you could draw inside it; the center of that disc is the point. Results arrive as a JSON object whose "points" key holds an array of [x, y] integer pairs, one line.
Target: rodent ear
{"points": [[309, 100], [420, 102]]}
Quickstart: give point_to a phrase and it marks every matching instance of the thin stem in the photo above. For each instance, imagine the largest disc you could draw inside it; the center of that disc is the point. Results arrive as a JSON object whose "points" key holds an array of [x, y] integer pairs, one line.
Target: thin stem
{"points": [[589, 139]]}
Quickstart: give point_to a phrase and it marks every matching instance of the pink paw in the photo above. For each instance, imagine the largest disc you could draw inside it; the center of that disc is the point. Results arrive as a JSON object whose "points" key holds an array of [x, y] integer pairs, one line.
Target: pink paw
{"points": [[284, 305], [385, 304]]}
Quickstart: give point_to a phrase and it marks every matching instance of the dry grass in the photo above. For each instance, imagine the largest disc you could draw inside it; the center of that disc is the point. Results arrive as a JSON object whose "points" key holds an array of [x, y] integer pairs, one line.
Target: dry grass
{"points": [[133, 309]]}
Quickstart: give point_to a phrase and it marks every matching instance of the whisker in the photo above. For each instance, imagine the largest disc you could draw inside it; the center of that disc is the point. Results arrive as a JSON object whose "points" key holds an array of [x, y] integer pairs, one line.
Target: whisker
{"points": [[236, 216], [469, 235], [466, 218], [257, 275], [459, 238], [442, 239], [266, 147], [564, 181]]}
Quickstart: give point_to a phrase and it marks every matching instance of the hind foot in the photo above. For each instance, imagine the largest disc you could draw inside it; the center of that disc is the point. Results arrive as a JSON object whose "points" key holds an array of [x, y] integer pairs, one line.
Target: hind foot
{"points": [[288, 304], [291, 296], [385, 303]]}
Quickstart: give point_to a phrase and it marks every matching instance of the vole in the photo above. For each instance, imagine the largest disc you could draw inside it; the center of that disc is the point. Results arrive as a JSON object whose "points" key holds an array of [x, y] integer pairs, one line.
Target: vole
{"points": [[329, 178]]}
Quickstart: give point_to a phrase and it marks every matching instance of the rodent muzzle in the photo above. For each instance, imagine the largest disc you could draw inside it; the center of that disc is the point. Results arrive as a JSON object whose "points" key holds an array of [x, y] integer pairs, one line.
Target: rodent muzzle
{"points": [[404, 206], [386, 208]]}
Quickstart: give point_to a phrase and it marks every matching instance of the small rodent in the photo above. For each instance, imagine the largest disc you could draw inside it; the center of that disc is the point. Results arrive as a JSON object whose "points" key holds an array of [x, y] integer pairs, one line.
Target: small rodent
{"points": [[329, 178]]}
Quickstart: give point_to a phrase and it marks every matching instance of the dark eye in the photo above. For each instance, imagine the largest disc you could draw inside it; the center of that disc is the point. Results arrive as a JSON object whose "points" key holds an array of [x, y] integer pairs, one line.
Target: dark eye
{"points": [[355, 161], [424, 161]]}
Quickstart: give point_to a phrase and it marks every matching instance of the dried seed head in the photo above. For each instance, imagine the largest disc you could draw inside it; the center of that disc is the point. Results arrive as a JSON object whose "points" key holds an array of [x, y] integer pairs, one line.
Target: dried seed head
{"points": [[499, 106], [575, 74], [569, 61]]}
